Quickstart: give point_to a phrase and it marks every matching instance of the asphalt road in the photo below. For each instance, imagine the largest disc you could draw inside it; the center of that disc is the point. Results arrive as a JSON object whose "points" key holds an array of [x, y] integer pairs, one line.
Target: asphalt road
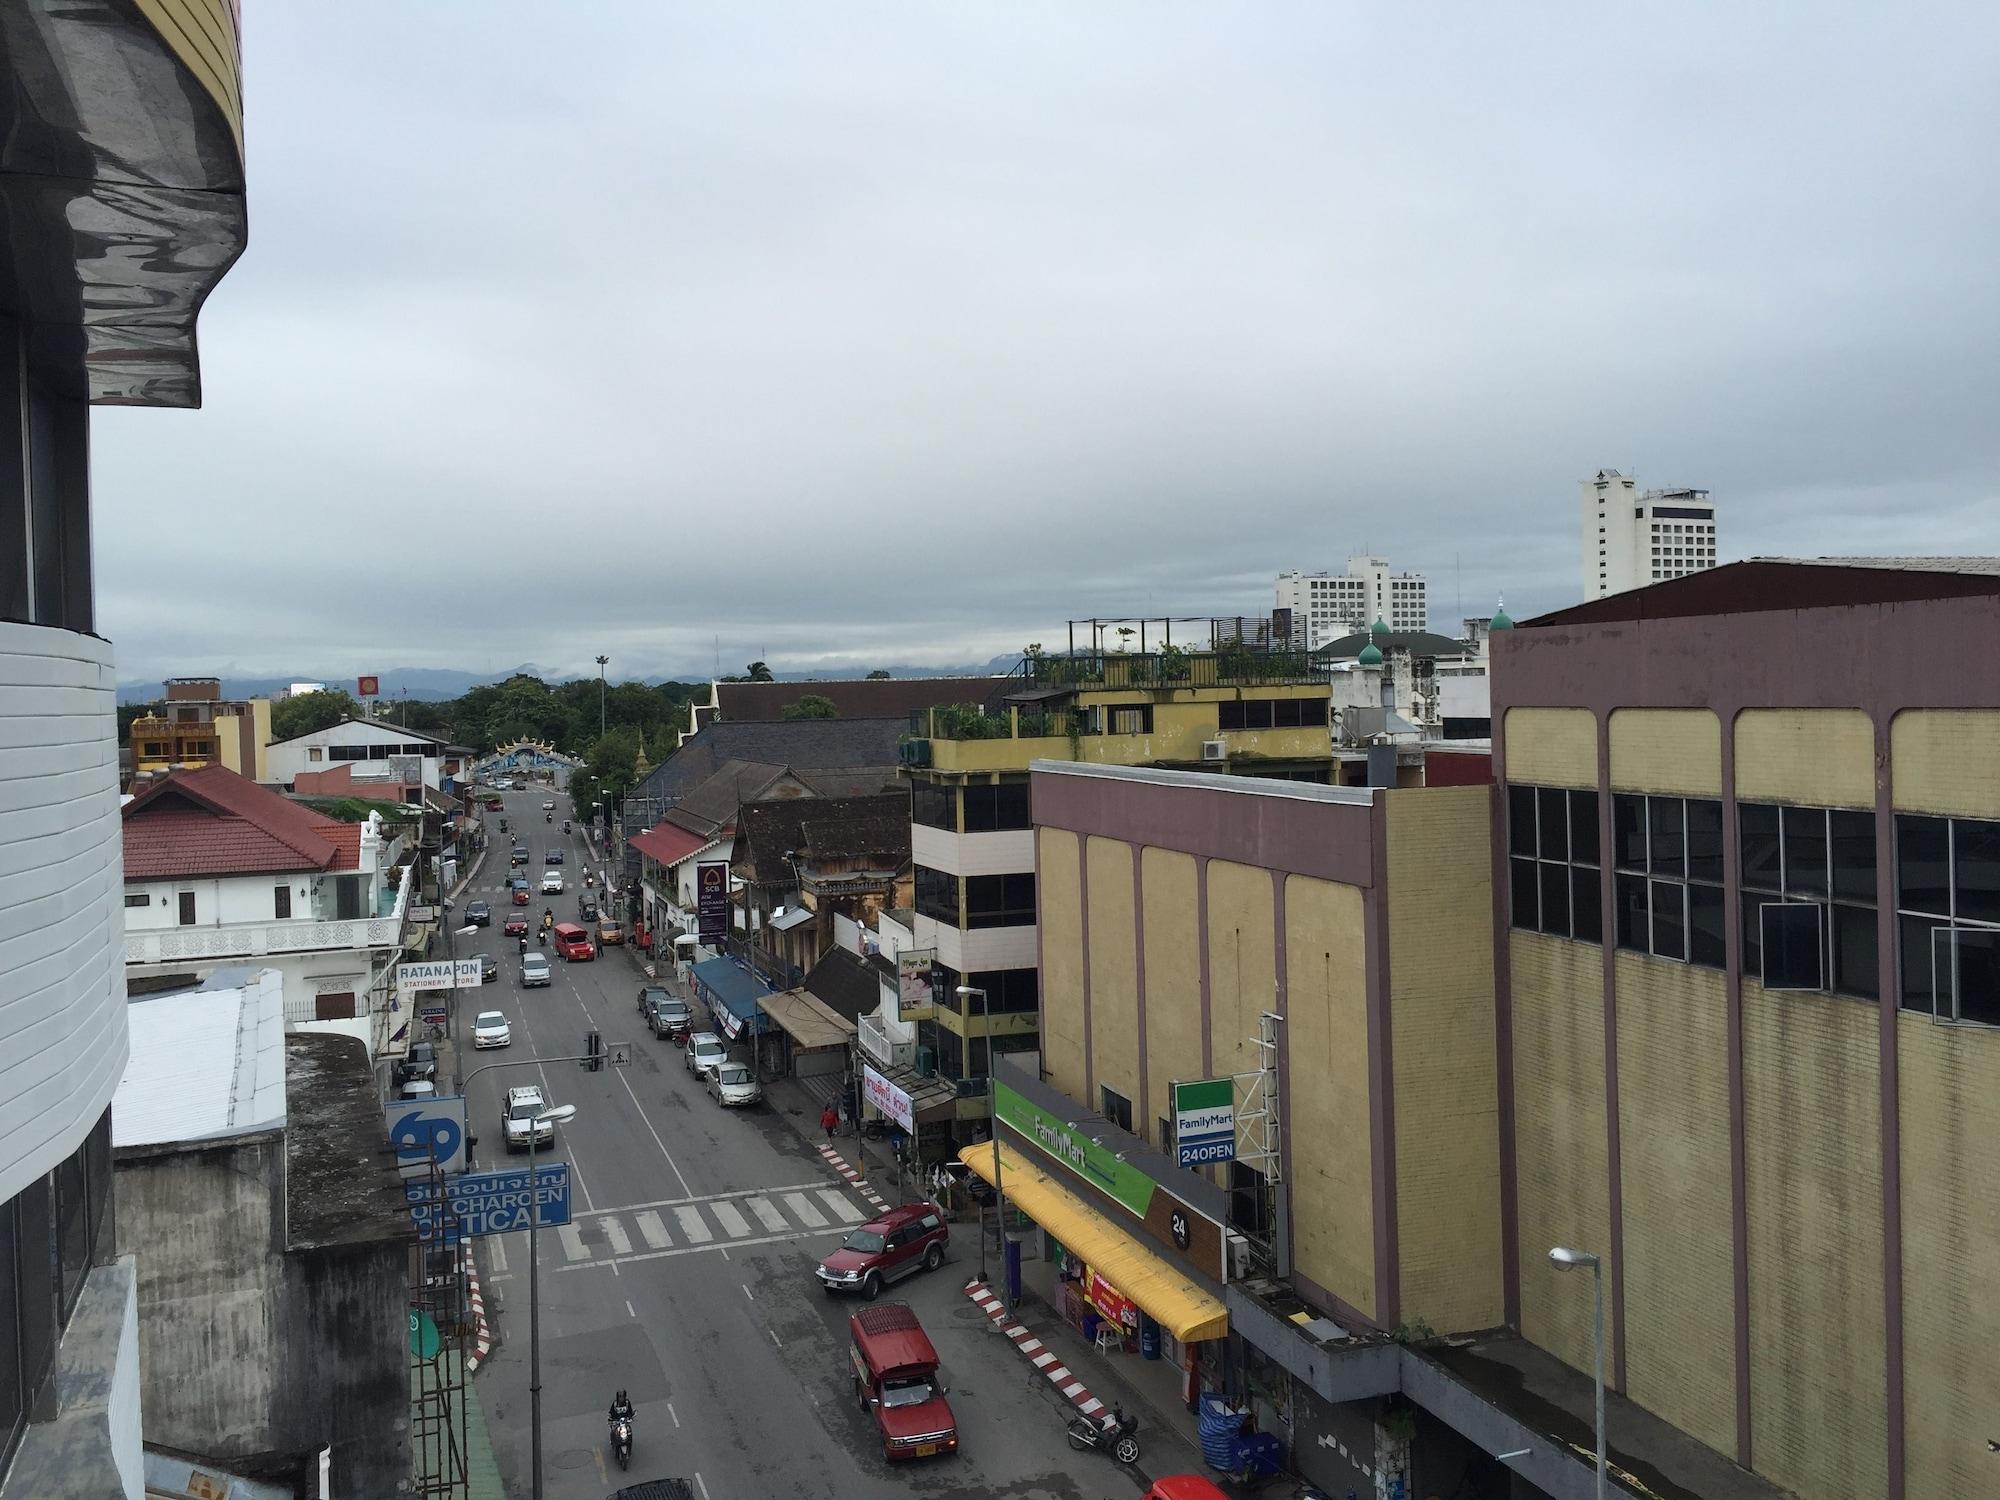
{"points": [[686, 1274]]}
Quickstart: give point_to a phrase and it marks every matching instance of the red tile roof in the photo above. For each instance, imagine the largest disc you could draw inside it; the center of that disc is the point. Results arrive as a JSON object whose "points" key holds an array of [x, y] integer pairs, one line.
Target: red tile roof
{"points": [[666, 843], [211, 821]]}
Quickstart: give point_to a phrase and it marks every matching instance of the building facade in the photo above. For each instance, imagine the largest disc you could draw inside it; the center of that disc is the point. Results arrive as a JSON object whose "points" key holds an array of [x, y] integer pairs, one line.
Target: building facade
{"points": [[360, 741], [195, 725], [1327, 605], [122, 181], [1633, 538]]}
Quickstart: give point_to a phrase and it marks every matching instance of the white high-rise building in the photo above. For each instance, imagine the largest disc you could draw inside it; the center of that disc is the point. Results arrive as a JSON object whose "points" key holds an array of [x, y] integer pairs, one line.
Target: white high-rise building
{"points": [[1632, 538], [1326, 606]]}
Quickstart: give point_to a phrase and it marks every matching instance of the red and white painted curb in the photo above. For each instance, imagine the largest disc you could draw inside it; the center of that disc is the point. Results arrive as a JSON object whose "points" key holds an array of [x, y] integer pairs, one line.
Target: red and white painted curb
{"points": [[1038, 1354], [855, 1180], [483, 1344]]}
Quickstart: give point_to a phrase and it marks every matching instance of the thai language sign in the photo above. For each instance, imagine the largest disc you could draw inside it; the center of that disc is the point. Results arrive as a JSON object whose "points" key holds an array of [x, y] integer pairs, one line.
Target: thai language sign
{"points": [[887, 1098], [711, 900], [476, 1203]]}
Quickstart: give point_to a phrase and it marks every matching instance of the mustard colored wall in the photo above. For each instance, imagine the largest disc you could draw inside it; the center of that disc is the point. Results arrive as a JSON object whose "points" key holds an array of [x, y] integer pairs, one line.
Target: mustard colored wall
{"points": [[1813, 757], [1563, 1176], [1813, 1190], [1446, 1074], [1673, 750], [1950, 1111], [1242, 963], [1114, 975], [1673, 1112], [1552, 746], [1326, 1034], [1173, 977], [1947, 760], [1183, 718], [229, 744], [202, 34], [1060, 912], [260, 709]]}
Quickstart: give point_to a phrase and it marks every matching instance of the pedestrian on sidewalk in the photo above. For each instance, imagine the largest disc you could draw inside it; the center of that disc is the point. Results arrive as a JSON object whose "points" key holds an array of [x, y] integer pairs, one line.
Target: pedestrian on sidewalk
{"points": [[829, 1121]]}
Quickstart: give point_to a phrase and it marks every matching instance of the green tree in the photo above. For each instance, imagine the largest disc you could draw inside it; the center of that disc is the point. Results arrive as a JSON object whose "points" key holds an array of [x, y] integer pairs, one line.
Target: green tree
{"points": [[758, 672], [811, 706], [311, 712], [878, 675]]}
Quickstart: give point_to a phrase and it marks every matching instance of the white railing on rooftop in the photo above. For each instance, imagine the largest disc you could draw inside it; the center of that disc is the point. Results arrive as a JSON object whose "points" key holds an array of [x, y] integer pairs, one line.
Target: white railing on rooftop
{"points": [[257, 939]]}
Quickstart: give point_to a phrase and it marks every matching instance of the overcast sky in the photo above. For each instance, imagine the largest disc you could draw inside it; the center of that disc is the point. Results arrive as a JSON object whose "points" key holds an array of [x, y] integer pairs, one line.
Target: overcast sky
{"points": [[907, 332]]}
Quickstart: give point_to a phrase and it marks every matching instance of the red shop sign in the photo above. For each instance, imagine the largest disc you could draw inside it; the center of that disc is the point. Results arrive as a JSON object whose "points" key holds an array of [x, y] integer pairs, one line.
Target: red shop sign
{"points": [[1108, 1300]]}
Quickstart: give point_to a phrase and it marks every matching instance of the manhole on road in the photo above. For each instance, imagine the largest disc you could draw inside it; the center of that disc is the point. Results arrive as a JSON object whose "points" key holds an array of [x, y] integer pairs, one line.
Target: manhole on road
{"points": [[574, 1458]]}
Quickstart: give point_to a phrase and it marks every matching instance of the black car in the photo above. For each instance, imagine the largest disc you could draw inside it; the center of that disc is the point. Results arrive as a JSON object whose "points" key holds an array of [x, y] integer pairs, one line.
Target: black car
{"points": [[421, 1063], [648, 993], [520, 856], [489, 968], [478, 914], [553, 857]]}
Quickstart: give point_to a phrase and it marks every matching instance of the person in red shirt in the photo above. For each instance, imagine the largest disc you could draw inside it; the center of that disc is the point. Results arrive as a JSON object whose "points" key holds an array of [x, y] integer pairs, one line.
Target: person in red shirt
{"points": [[829, 1120]]}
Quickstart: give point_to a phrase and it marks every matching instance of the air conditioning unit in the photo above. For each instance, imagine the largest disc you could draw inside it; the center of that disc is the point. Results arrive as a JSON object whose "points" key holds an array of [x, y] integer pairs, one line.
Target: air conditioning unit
{"points": [[1236, 1256], [1215, 750]]}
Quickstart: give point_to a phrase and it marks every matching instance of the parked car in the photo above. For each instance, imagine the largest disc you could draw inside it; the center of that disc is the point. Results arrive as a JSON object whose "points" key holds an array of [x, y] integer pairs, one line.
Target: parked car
{"points": [[421, 1063], [491, 1030], [671, 1019], [517, 1116], [900, 1243], [609, 933], [478, 914], [553, 857], [648, 993], [535, 969], [704, 1051], [732, 1083], [552, 883], [573, 943], [516, 924], [489, 968]]}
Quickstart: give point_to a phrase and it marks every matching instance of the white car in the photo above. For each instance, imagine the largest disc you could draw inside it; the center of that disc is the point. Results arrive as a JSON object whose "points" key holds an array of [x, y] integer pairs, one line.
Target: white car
{"points": [[732, 1083], [517, 1116], [552, 883], [704, 1051], [534, 970], [491, 1030], [548, 807]]}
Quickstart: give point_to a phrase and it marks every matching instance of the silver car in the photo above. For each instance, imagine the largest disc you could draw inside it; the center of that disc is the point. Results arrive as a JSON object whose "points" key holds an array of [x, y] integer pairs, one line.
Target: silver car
{"points": [[534, 970], [491, 1030], [704, 1051], [733, 1083]]}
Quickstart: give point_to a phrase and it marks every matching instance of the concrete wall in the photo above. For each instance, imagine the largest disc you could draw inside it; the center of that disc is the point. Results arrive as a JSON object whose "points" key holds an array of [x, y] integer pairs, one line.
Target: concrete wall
{"points": [[1552, 746], [1677, 751], [1059, 877], [1242, 964], [1173, 976], [1819, 757], [1114, 978]]}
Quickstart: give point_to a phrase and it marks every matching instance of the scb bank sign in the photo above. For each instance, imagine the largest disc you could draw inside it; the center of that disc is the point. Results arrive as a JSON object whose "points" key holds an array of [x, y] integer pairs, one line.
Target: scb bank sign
{"points": [[1204, 1121]]}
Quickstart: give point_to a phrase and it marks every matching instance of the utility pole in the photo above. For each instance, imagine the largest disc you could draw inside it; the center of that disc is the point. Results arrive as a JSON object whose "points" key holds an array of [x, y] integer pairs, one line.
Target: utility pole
{"points": [[601, 661]]}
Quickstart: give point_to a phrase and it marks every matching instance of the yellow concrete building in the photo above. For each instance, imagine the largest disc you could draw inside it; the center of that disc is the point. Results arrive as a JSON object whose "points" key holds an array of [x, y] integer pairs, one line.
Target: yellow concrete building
{"points": [[196, 726]]}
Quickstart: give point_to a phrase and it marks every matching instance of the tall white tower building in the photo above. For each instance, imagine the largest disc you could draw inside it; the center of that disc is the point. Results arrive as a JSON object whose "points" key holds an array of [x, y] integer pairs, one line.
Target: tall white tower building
{"points": [[1632, 538], [1326, 606]]}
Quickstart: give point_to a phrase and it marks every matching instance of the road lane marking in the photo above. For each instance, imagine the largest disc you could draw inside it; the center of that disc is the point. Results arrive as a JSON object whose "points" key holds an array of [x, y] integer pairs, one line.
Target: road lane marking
{"points": [[499, 1254], [674, 1414], [621, 1243], [780, 1187], [748, 1293], [572, 1242], [843, 1210], [804, 1212], [774, 1337], [769, 1217], [646, 1120], [653, 1231], [733, 1224], [701, 1484], [693, 1226], [628, 1311], [722, 1250]]}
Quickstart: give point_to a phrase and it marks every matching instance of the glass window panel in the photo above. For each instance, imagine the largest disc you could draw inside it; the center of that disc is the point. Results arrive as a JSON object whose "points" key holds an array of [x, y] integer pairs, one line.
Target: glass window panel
{"points": [[1555, 898], [1583, 827], [1666, 835], [1923, 874], [1913, 943], [1805, 851], [1705, 940], [1669, 921], [1586, 906], [1757, 824], [72, 1227], [1751, 932], [1855, 951], [1979, 976], [1629, 892], [1552, 811], [1975, 869], [36, 1228], [1628, 830], [13, 1395], [1851, 841], [1520, 820], [1525, 887], [1704, 839], [1794, 946]]}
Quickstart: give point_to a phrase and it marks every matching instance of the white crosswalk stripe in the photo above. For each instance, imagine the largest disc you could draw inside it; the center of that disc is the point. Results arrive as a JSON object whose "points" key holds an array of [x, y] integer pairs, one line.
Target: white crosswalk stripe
{"points": [[693, 1225], [653, 1230], [572, 1243], [497, 1248], [769, 1217], [733, 1223], [804, 1212], [621, 1244], [843, 1210]]}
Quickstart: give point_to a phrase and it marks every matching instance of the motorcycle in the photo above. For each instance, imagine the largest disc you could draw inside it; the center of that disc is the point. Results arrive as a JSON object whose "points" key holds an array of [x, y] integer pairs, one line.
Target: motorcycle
{"points": [[621, 1441], [541, 937], [1118, 1436], [589, 881], [548, 817], [565, 827]]}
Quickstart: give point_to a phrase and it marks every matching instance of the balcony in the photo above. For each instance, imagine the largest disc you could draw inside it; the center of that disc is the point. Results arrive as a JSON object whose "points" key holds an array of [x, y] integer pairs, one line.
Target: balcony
{"points": [[970, 739], [1173, 667], [262, 939]]}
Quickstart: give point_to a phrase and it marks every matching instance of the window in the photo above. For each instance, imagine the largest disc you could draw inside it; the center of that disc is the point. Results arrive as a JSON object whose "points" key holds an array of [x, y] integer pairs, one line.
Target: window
{"points": [[1249, 1204], [997, 807], [1667, 892], [934, 805], [937, 895], [1008, 991], [313, 752], [137, 900], [1808, 893], [346, 897], [1269, 713], [1553, 862], [1128, 718], [187, 908], [999, 900], [1948, 917], [1117, 1108], [281, 901]]}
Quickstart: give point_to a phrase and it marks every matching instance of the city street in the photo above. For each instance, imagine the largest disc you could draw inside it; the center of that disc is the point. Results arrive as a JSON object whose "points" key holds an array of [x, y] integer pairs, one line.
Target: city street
{"points": [[686, 1274]]}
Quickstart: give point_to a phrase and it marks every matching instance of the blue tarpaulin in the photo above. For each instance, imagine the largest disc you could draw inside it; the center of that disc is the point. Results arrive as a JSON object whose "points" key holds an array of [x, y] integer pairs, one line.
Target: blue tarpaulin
{"points": [[730, 992]]}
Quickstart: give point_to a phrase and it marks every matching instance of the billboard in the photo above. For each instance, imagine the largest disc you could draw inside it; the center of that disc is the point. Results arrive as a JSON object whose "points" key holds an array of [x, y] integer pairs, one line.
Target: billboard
{"points": [[914, 994], [490, 1203], [887, 1098], [711, 901], [1204, 1121], [437, 974], [368, 687], [427, 1133]]}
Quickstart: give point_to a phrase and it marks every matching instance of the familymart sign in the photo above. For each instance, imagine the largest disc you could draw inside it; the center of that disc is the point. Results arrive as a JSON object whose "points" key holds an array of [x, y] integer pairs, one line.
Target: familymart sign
{"points": [[1204, 1121]]}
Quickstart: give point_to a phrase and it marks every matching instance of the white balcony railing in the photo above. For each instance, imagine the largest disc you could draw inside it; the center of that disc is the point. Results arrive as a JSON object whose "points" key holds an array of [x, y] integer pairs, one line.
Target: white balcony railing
{"points": [[873, 1038], [259, 939]]}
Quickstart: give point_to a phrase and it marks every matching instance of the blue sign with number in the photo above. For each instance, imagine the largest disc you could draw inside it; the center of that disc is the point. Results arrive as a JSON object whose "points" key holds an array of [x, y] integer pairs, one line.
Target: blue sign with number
{"points": [[476, 1203], [428, 1131]]}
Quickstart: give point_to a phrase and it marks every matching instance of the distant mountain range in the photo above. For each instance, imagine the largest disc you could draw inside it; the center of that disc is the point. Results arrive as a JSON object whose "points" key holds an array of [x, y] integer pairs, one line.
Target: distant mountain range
{"points": [[435, 684]]}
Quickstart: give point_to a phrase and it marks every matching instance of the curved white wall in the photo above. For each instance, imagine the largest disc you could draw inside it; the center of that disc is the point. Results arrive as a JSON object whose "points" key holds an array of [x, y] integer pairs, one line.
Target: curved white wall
{"points": [[62, 971]]}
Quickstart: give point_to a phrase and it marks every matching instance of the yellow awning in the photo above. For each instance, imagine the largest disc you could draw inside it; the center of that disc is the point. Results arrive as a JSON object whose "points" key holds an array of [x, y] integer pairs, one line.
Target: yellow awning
{"points": [[1166, 1296]]}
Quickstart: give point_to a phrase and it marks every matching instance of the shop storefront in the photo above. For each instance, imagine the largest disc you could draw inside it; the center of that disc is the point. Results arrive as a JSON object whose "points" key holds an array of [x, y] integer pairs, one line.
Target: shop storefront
{"points": [[811, 1039], [730, 994]]}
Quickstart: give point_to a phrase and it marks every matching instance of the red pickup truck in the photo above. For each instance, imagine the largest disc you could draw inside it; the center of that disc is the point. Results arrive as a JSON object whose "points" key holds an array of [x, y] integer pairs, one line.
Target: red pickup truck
{"points": [[896, 1380]]}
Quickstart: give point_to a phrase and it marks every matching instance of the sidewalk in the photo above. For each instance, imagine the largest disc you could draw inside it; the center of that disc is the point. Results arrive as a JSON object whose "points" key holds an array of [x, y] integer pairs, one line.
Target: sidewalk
{"points": [[800, 1101]]}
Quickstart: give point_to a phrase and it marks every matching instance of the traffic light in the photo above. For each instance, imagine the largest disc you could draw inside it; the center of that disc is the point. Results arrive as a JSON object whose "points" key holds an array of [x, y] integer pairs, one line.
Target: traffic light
{"points": [[594, 1050]]}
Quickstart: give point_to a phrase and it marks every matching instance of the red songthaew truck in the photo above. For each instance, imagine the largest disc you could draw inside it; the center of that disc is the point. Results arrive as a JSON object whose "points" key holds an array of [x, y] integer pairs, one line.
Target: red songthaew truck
{"points": [[896, 1381]]}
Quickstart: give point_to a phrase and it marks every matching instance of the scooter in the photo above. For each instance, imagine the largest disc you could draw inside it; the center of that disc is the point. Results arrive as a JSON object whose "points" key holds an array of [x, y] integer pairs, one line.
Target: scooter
{"points": [[621, 1441], [1116, 1437]]}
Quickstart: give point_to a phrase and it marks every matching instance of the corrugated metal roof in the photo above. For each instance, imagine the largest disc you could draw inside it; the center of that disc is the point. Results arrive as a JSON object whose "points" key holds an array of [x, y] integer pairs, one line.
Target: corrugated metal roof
{"points": [[205, 1063], [1977, 566]]}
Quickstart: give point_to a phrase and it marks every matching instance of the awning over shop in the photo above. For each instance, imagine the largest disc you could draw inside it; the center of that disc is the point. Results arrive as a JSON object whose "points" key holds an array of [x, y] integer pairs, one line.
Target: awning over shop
{"points": [[807, 1022], [731, 993], [1167, 1296]]}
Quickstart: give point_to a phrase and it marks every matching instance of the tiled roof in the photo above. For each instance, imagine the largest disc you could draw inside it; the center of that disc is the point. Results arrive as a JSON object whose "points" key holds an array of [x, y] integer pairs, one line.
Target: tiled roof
{"points": [[668, 844], [211, 821], [845, 983], [878, 698], [829, 744], [822, 828], [712, 805]]}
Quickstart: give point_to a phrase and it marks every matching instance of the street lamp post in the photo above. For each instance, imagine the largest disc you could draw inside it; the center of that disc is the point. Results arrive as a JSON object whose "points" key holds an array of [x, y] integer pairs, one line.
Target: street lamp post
{"points": [[965, 991], [1565, 1259], [551, 1118], [602, 661]]}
